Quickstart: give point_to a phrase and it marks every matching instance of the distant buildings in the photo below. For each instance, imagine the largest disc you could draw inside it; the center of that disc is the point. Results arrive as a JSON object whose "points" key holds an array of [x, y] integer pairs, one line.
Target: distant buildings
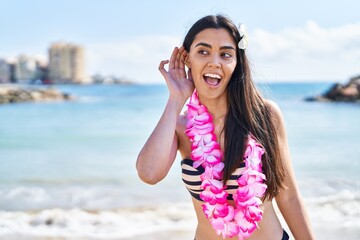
{"points": [[22, 69], [5, 71], [66, 63], [26, 69]]}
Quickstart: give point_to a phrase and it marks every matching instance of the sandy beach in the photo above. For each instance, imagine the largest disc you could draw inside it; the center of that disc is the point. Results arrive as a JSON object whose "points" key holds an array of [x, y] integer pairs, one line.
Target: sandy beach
{"points": [[168, 235], [321, 233]]}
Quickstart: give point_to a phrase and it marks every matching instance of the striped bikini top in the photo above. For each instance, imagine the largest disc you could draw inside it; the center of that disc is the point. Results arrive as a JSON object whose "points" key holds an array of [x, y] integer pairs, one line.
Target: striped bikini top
{"points": [[191, 178]]}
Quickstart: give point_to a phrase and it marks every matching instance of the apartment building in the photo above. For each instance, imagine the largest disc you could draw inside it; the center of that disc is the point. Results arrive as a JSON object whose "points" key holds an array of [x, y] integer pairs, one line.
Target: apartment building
{"points": [[66, 63]]}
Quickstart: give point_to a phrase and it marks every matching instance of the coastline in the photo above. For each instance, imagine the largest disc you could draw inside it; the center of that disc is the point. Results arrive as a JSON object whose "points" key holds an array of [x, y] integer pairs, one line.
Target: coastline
{"points": [[321, 232], [168, 235], [146, 225], [10, 94]]}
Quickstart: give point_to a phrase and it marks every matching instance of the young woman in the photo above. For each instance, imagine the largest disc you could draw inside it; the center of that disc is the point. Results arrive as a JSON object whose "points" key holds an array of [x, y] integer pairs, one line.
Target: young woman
{"points": [[233, 142]]}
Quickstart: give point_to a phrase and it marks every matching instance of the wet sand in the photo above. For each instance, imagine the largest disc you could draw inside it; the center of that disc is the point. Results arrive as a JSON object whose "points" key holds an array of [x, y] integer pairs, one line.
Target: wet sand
{"points": [[321, 233]]}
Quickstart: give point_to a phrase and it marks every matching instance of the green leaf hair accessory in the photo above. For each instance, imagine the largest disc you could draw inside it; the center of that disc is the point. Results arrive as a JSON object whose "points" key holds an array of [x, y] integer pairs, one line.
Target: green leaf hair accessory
{"points": [[244, 39]]}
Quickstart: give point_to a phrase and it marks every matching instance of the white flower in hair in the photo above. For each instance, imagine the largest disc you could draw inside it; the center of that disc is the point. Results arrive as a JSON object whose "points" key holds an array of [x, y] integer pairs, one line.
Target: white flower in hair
{"points": [[244, 39]]}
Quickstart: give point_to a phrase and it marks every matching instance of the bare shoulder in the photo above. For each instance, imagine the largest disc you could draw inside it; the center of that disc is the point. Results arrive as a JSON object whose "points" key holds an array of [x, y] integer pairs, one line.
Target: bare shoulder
{"points": [[273, 108], [275, 114]]}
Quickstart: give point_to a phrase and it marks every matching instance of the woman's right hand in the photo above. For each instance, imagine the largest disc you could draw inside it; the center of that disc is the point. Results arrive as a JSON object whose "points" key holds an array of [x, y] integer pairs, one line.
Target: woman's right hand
{"points": [[179, 83], [159, 152]]}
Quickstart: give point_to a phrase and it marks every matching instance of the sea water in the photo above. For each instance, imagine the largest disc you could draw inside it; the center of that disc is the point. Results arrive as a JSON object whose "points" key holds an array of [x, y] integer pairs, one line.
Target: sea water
{"points": [[67, 169]]}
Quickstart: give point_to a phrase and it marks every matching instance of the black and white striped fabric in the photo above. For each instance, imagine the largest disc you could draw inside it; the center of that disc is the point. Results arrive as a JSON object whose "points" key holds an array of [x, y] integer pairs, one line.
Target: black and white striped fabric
{"points": [[191, 178]]}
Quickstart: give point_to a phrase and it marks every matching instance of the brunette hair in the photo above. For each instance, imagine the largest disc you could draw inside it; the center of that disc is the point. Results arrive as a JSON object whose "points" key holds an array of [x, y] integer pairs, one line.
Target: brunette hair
{"points": [[247, 112]]}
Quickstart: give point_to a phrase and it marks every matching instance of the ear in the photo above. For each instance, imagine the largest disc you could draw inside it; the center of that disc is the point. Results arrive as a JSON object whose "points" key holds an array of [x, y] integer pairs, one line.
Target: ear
{"points": [[187, 62]]}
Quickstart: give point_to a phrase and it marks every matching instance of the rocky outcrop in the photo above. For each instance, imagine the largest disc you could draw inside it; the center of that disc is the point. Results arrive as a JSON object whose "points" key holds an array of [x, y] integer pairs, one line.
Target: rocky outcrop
{"points": [[15, 94], [349, 92]]}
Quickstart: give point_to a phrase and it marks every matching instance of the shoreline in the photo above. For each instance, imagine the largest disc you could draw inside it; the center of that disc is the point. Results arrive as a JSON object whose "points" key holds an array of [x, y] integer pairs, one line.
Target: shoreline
{"points": [[321, 232]]}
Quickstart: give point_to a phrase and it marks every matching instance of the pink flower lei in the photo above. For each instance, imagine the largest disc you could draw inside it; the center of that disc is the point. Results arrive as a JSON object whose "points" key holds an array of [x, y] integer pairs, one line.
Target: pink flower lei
{"points": [[227, 221]]}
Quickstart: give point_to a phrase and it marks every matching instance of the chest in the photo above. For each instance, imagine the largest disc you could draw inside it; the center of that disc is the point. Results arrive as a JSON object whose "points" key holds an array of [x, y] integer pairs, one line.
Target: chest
{"points": [[192, 181], [184, 144]]}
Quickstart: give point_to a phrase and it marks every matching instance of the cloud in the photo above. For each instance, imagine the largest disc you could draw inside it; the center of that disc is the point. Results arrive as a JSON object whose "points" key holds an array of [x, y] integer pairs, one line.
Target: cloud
{"points": [[308, 52], [135, 58]]}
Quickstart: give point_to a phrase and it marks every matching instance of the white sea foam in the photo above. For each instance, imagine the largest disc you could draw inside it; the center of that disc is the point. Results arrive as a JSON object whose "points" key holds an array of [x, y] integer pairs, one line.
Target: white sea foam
{"points": [[342, 208], [103, 212], [36, 197], [340, 211], [113, 212], [93, 197], [105, 224]]}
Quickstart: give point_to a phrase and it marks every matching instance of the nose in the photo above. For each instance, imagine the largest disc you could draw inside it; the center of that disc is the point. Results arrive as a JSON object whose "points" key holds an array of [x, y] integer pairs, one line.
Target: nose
{"points": [[214, 61]]}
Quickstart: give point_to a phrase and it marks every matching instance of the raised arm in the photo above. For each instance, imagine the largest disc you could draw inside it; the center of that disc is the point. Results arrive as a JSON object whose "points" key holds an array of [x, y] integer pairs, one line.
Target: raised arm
{"points": [[159, 152], [289, 200]]}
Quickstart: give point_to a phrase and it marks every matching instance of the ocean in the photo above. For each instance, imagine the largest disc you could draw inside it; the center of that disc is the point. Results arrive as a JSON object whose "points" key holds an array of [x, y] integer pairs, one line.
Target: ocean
{"points": [[67, 169]]}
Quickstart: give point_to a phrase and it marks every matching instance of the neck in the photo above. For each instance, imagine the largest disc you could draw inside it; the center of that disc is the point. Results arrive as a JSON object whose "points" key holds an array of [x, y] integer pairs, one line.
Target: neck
{"points": [[217, 107]]}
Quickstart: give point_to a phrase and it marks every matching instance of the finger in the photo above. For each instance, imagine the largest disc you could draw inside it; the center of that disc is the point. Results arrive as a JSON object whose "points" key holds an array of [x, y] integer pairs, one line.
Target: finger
{"points": [[181, 51], [177, 62], [162, 64], [173, 58], [178, 57], [162, 68]]}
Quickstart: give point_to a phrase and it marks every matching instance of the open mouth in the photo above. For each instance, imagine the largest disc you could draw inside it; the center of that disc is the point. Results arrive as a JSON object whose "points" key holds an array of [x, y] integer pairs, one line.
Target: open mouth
{"points": [[212, 79]]}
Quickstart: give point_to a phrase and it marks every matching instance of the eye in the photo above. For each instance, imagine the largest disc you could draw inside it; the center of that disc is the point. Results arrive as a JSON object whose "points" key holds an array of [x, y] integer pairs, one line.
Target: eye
{"points": [[203, 52], [226, 55]]}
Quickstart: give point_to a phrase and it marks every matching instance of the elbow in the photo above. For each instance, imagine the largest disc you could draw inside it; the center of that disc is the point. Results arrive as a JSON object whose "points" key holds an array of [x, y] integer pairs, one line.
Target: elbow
{"points": [[148, 178], [147, 174]]}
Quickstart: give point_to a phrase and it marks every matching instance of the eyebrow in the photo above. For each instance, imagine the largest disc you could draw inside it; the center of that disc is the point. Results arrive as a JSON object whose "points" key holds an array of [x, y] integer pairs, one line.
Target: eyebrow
{"points": [[209, 46]]}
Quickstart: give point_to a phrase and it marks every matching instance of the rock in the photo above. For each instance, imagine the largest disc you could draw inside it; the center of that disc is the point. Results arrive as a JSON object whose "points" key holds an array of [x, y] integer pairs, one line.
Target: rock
{"points": [[317, 99], [15, 94], [349, 92]]}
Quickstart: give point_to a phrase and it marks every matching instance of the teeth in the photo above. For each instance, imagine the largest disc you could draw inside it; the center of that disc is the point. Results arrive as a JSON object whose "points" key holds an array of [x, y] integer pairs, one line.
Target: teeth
{"points": [[212, 75]]}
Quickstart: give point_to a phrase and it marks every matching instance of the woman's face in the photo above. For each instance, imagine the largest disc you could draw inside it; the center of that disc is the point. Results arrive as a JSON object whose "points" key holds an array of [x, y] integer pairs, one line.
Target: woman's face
{"points": [[212, 60]]}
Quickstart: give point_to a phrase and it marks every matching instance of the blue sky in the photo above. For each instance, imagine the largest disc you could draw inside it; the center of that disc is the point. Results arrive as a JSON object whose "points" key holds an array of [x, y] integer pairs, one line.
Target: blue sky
{"points": [[289, 40]]}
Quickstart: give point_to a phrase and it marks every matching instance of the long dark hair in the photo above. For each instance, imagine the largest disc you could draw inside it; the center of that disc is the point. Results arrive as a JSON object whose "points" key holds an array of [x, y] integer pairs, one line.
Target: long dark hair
{"points": [[247, 112]]}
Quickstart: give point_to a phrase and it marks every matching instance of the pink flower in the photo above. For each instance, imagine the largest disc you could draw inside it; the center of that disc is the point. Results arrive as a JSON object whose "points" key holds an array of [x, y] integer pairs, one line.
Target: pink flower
{"points": [[204, 128], [216, 152], [208, 209], [209, 153], [202, 119], [222, 211], [253, 213], [214, 195], [210, 146], [225, 226], [201, 140], [253, 154], [253, 181], [242, 194], [212, 182], [200, 129], [253, 201], [246, 227], [213, 171]]}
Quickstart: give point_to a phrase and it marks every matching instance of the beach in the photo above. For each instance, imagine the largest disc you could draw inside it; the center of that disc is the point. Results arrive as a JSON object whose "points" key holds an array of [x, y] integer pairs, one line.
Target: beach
{"points": [[144, 226], [67, 169]]}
